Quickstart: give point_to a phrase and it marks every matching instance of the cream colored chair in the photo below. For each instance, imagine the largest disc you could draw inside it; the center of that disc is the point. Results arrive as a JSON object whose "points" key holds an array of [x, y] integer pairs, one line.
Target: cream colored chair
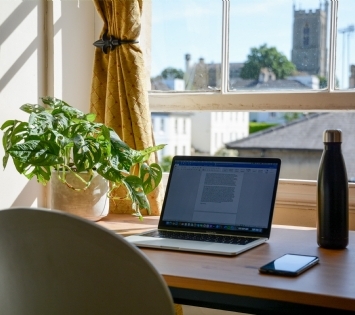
{"points": [[55, 263]]}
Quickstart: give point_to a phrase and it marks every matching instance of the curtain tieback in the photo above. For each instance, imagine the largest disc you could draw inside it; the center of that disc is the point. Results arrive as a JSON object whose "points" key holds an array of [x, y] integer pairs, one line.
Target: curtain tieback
{"points": [[111, 42]]}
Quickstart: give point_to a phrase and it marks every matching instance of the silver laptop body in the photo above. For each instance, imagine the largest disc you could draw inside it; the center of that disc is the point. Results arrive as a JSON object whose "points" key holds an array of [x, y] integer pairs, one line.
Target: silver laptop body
{"points": [[225, 201]]}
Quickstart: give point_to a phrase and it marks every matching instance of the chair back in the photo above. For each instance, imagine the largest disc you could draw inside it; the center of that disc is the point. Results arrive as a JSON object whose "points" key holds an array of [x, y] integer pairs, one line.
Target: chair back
{"points": [[53, 262]]}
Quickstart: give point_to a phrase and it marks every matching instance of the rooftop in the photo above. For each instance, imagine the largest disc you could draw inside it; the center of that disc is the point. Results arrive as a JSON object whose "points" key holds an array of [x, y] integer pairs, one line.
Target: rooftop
{"points": [[305, 134]]}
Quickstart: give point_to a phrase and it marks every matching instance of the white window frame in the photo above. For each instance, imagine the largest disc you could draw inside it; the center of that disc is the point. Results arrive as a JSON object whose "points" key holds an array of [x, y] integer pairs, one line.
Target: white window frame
{"points": [[329, 99], [299, 195]]}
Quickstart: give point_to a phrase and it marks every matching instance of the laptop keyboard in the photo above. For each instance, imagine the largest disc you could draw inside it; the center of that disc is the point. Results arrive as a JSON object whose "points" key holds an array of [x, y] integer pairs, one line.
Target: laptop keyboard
{"points": [[213, 238]]}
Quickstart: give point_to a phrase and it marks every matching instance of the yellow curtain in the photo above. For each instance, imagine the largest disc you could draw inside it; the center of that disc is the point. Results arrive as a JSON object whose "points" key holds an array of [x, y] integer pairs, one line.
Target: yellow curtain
{"points": [[119, 95]]}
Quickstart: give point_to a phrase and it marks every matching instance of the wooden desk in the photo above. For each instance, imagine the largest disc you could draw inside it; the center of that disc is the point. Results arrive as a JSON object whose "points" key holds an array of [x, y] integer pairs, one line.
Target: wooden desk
{"points": [[234, 283]]}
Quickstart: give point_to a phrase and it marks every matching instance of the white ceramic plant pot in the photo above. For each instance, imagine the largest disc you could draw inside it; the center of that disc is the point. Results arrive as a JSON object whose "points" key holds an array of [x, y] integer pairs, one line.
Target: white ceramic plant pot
{"points": [[91, 203]]}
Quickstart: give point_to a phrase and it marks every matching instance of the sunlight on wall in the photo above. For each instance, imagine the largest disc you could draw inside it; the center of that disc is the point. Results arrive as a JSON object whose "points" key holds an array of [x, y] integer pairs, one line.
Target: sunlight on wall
{"points": [[45, 49]]}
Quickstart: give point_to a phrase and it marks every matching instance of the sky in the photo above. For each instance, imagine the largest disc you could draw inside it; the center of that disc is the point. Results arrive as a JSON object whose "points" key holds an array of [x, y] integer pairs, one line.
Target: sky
{"points": [[194, 27]]}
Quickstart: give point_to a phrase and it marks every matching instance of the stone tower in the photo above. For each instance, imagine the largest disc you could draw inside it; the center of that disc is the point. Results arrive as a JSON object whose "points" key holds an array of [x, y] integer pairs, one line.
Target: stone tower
{"points": [[309, 49]]}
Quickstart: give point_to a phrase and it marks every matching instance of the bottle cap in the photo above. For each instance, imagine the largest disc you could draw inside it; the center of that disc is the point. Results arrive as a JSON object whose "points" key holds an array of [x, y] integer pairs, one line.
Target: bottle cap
{"points": [[332, 135]]}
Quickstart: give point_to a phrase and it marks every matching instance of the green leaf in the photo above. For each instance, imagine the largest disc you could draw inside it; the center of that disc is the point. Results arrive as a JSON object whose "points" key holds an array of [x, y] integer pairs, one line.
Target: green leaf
{"points": [[53, 102], [32, 108], [62, 141], [135, 191], [5, 159], [116, 140], [83, 128], [110, 173], [86, 153], [90, 117], [40, 123], [72, 112], [42, 173], [105, 144], [121, 153], [8, 123], [151, 176], [143, 155], [50, 140], [14, 132], [106, 132], [20, 166], [34, 152], [60, 122]]}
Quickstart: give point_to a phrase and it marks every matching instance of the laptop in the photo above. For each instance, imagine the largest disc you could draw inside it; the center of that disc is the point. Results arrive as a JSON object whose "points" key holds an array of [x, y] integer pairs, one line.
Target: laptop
{"points": [[216, 205]]}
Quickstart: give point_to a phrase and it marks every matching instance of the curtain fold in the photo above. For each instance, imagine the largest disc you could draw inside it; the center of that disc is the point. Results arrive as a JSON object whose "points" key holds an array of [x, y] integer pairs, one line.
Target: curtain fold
{"points": [[119, 95]]}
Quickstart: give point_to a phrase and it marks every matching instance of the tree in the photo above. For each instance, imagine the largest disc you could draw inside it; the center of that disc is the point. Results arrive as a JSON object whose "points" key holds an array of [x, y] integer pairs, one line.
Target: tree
{"points": [[266, 57], [323, 82], [172, 73]]}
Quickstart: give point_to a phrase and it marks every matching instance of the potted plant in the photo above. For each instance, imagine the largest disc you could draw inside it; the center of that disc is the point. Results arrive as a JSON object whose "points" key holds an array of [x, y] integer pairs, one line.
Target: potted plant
{"points": [[60, 140]]}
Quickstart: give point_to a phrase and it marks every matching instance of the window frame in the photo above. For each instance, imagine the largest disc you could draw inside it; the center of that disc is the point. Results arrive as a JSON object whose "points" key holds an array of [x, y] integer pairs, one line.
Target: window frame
{"points": [[328, 99], [294, 196]]}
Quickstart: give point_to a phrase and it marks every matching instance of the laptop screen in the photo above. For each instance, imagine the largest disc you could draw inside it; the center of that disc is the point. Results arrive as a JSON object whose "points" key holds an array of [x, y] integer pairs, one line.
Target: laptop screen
{"points": [[224, 194]]}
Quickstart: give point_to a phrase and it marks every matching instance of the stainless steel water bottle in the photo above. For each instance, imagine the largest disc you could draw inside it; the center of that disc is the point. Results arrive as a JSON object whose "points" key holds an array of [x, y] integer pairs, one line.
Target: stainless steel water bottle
{"points": [[332, 194]]}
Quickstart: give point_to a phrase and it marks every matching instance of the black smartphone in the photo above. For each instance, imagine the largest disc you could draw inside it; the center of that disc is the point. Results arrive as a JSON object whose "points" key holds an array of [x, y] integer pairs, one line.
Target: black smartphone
{"points": [[289, 265]]}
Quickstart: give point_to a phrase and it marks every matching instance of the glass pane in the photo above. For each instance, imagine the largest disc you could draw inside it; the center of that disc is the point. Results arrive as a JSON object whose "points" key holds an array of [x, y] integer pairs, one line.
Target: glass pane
{"points": [[296, 138], [345, 66], [278, 45], [186, 44]]}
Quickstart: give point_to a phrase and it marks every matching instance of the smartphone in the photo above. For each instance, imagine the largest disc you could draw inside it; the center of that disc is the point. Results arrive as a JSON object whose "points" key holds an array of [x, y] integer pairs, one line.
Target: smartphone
{"points": [[289, 265]]}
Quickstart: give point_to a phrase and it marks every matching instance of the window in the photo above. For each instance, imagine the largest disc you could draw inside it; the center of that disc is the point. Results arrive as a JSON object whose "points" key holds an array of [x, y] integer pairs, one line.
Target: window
{"points": [[193, 41], [162, 124], [176, 126], [182, 32], [306, 35], [199, 35]]}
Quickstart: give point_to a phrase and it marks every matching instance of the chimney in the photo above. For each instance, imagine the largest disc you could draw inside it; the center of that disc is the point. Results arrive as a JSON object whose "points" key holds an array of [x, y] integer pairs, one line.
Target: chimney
{"points": [[187, 61]]}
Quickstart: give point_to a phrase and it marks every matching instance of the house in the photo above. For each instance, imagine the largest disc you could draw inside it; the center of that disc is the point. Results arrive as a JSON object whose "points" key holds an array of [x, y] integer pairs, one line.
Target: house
{"points": [[174, 130], [299, 144], [211, 130]]}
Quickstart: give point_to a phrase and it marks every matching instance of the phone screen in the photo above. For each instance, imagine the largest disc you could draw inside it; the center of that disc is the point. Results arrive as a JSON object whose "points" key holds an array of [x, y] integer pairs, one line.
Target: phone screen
{"points": [[290, 264]]}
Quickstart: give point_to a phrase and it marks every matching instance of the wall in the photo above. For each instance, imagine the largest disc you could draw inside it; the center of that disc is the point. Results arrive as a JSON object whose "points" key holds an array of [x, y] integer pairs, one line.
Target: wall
{"points": [[71, 31], [46, 49], [22, 80]]}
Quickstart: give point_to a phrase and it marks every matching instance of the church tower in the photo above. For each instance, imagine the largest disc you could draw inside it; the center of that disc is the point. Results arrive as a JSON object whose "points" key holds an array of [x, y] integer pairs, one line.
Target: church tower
{"points": [[309, 49]]}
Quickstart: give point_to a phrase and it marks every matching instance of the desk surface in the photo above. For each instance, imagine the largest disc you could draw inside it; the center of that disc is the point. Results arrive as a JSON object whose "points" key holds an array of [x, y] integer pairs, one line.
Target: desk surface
{"points": [[231, 280]]}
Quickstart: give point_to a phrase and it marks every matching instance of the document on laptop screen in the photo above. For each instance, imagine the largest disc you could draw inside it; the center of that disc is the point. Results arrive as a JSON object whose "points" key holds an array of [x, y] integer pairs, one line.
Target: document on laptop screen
{"points": [[226, 193]]}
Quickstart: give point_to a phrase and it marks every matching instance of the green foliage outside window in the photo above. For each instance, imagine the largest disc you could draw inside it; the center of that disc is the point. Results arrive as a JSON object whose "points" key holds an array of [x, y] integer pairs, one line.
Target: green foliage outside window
{"points": [[165, 163], [255, 126], [172, 73], [266, 57]]}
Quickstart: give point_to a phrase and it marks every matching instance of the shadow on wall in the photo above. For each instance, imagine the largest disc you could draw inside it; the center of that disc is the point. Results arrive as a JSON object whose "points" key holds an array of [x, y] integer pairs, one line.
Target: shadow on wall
{"points": [[7, 28], [31, 195]]}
